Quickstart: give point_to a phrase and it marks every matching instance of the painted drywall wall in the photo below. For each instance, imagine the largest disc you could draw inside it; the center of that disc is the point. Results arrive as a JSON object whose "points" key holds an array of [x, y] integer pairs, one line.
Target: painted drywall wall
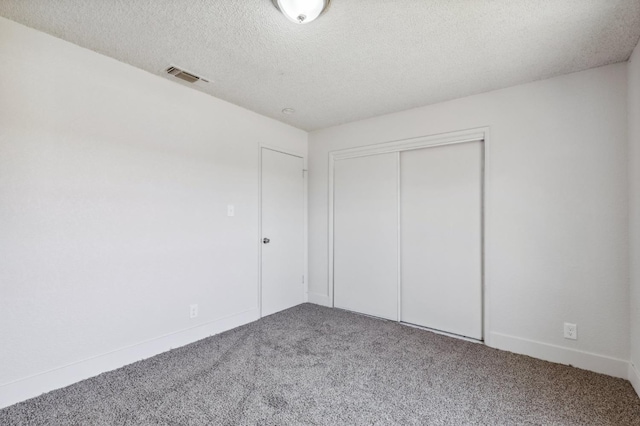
{"points": [[114, 186], [556, 218], [634, 213]]}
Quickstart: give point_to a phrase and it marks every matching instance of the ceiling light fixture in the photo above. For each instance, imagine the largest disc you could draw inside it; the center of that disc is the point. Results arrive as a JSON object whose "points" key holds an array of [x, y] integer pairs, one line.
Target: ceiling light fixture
{"points": [[301, 11]]}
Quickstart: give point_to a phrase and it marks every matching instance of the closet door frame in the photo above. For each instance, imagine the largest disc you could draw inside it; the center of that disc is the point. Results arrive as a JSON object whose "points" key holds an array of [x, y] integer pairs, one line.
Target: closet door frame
{"points": [[398, 146]]}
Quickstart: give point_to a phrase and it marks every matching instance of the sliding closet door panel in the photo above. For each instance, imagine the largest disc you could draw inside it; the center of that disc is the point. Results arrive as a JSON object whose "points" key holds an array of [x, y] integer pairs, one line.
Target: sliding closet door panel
{"points": [[441, 221], [366, 235]]}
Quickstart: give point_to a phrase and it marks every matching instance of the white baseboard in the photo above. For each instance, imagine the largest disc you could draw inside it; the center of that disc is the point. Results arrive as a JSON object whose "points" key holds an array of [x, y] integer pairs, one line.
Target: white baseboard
{"points": [[634, 377], [32, 386], [319, 299], [585, 360]]}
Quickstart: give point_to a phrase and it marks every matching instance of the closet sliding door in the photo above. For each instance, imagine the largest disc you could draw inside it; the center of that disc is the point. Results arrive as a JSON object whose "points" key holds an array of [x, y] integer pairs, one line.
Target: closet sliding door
{"points": [[441, 222], [366, 235]]}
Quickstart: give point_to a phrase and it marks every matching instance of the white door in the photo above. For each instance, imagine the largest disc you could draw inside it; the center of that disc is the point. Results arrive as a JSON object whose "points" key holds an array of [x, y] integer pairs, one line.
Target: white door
{"points": [[366, 235], [441, 222], [282, 231]]}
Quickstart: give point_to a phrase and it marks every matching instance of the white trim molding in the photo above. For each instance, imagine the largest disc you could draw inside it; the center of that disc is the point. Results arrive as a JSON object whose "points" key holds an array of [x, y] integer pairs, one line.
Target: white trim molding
{"points": [[581, 359], [634, 377], [37, 384], [462, 136]]}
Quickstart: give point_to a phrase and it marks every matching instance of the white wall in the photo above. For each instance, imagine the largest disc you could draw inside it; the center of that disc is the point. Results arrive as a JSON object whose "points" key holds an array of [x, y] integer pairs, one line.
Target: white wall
{"points": [[557, 225], [113, 192], [634, 209]]}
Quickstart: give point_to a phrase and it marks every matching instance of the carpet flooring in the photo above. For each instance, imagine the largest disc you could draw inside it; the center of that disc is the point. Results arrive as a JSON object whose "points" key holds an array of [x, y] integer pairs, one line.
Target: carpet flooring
{"points": [[312, 365]]}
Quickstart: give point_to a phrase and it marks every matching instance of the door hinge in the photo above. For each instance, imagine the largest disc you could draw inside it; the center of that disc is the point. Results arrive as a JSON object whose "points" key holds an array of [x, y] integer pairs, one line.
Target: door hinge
{"points": [[303, 279]]}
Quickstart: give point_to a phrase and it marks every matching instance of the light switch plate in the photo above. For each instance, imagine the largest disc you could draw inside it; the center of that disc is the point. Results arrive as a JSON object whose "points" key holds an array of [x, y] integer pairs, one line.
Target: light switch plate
{"points": [[230, 210]]}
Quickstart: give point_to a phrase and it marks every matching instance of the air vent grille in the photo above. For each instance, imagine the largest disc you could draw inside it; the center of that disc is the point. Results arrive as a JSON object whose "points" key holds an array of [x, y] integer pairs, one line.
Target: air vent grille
{"points": [[184, 75]]}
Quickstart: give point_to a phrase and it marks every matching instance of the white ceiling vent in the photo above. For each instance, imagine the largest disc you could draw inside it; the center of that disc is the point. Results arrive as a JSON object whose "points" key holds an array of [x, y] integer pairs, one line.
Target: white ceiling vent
{"points": [[184, 75]]}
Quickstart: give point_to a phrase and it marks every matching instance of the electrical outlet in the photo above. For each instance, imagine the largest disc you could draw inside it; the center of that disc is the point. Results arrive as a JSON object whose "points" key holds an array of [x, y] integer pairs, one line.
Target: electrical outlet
{"points": [[193, 311], [570, 331]]}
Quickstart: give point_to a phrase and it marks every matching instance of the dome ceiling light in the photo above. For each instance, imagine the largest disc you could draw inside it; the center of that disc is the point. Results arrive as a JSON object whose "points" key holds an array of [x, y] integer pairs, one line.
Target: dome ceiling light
{"points": [[301, 11]]}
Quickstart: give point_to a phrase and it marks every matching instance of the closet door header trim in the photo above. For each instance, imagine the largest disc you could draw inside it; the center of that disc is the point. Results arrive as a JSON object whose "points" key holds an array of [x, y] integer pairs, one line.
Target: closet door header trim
{"points": [[470, 135]]}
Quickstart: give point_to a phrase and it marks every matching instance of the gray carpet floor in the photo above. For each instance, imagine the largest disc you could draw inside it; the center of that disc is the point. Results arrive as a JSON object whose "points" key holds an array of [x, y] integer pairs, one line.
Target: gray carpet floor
{"points": [[311, 365]]}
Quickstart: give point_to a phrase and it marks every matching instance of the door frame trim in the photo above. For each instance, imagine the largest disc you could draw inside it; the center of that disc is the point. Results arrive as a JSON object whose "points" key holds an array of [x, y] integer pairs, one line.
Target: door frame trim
{"points": [[305, 177], [398, 146]]}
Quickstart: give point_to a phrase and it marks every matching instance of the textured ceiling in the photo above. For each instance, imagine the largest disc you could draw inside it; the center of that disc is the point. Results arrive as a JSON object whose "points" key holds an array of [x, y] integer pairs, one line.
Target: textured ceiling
{"points": [[362, 58]]}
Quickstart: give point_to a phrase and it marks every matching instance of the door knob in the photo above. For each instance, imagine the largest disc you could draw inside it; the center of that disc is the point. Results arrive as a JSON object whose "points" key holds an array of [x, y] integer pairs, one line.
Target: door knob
{"points": [[266, 240]]}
